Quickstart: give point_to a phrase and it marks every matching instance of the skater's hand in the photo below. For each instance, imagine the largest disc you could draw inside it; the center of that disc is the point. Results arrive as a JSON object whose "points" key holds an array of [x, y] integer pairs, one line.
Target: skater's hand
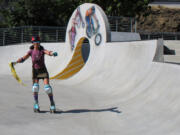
{"points": [[55, 54], [20, 60]]}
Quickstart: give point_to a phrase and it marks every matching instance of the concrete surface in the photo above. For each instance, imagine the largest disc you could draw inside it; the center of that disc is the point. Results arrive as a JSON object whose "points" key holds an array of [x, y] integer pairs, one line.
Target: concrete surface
{"points": [[173, 45], [124, 36], [127, 94]]}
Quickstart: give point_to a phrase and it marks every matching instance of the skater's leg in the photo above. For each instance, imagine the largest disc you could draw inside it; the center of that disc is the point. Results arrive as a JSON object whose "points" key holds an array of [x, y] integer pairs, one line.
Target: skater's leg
{"points": [[48, 90], [35, 90]]}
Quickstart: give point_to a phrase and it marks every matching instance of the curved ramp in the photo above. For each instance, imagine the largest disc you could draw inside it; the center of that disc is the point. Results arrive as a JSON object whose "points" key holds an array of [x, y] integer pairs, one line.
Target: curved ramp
{"points": [[74, 65]]}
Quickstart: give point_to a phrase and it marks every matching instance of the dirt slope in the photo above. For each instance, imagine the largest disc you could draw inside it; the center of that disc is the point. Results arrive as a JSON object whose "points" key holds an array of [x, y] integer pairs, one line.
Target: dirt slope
{"points": [[161, 19]]}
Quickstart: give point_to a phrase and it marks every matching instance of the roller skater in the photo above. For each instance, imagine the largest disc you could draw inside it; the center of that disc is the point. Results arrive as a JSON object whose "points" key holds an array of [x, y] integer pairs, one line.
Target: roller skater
{"points": [[39, 71]]}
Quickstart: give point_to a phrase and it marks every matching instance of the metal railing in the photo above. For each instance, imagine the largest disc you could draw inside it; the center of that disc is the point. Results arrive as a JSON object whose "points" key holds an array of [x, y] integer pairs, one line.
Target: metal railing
{"points": [[156, 35], [24, 34], [122, 24], [9, 36]]}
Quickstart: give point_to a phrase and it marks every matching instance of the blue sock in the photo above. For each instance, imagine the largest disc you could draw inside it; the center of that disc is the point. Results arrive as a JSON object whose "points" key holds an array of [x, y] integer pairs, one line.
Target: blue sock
{"points": [[36, 98], [51, 99]]}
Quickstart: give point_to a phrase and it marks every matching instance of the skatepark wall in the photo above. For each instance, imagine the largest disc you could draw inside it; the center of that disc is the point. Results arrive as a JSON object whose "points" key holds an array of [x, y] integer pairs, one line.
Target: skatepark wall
{"points": [[57, 64], [159, 56], [70, 61], [124, 36], [13, 52]]}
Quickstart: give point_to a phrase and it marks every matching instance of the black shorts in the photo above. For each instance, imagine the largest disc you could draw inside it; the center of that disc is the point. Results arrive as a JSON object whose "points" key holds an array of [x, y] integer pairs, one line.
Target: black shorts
{"points": [[41, 73]]}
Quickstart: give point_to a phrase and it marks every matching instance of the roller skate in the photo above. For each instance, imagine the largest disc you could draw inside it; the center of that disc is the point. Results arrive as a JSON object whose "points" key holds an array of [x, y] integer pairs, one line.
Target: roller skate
{"points": [[36, 108], [52, 108]]}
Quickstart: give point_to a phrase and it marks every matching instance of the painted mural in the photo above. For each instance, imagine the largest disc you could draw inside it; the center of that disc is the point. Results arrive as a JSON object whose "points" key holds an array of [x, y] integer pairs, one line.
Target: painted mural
{"points": [[72, 34], [76, 21], [92, 23], [79, 19], [91, 29]]}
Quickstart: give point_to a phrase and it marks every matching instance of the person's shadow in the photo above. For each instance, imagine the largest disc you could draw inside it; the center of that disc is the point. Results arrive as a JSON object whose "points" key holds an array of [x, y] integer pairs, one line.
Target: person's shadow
{"points": [[114, 110]]}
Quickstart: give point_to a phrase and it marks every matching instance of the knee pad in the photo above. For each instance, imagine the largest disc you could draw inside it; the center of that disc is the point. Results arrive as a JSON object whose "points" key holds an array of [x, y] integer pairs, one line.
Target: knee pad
{"points": [[48, 89], [35, 87]]}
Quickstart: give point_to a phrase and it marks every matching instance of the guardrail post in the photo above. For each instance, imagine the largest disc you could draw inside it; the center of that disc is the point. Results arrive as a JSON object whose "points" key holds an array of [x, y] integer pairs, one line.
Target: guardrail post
{"points": [[116, 24], [131, 24], [135, 28], [176, 36], [56, 35], [39, 32], [148, 36], [4, 37], [22, 34]]}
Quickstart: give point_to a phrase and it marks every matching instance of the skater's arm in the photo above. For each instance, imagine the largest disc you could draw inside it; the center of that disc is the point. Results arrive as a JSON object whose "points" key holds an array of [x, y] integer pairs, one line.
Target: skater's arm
{"points": [[50, 53], [22, 59]]}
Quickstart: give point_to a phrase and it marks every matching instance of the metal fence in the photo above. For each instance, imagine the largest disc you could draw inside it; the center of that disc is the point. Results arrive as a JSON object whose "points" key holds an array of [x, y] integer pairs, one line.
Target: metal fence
{"points": [[122, 24], [156, 35], [24, 34], [10, 36]]}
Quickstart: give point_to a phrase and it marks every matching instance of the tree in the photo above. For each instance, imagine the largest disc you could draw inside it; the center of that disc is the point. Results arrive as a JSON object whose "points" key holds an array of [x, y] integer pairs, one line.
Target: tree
{"points": [[38, 12], [127, 8], [58, 12]]}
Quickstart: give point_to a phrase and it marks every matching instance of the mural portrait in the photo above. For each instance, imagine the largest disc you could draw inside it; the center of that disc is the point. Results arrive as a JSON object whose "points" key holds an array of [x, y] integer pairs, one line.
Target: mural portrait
{"points": [[76, 21], [92, 23]]}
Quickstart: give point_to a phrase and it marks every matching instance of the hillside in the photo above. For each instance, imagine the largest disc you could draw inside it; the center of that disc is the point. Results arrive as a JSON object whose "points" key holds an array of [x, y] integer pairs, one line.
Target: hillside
{"points": [[161, 19]]}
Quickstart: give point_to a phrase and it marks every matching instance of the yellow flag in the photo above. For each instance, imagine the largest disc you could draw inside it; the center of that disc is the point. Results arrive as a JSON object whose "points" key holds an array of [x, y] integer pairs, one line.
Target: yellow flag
{"points": [[13, 71]]}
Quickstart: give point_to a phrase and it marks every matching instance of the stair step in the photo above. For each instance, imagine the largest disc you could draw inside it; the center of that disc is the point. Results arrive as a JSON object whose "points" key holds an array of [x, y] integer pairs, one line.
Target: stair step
{"points": [[172, 58], [172, 44]]}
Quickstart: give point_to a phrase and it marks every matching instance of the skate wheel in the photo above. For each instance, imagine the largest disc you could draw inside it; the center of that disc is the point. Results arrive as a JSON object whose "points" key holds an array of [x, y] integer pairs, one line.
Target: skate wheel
{"points": [[36, 110], [52, 111]]}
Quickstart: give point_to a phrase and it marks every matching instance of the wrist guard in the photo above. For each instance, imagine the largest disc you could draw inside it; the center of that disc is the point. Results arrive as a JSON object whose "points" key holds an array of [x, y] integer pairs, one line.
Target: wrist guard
{"points": [[22, 60]]}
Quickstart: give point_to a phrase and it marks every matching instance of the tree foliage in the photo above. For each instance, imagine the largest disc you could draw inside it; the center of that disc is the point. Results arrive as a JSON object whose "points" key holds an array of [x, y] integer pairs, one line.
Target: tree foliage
{"points": [[128, 8], [57, 12]]}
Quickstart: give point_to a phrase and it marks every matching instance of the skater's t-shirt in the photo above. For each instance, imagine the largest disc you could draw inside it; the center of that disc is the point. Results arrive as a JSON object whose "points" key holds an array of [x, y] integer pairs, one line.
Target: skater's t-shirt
{"points": [[37, 58]]}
